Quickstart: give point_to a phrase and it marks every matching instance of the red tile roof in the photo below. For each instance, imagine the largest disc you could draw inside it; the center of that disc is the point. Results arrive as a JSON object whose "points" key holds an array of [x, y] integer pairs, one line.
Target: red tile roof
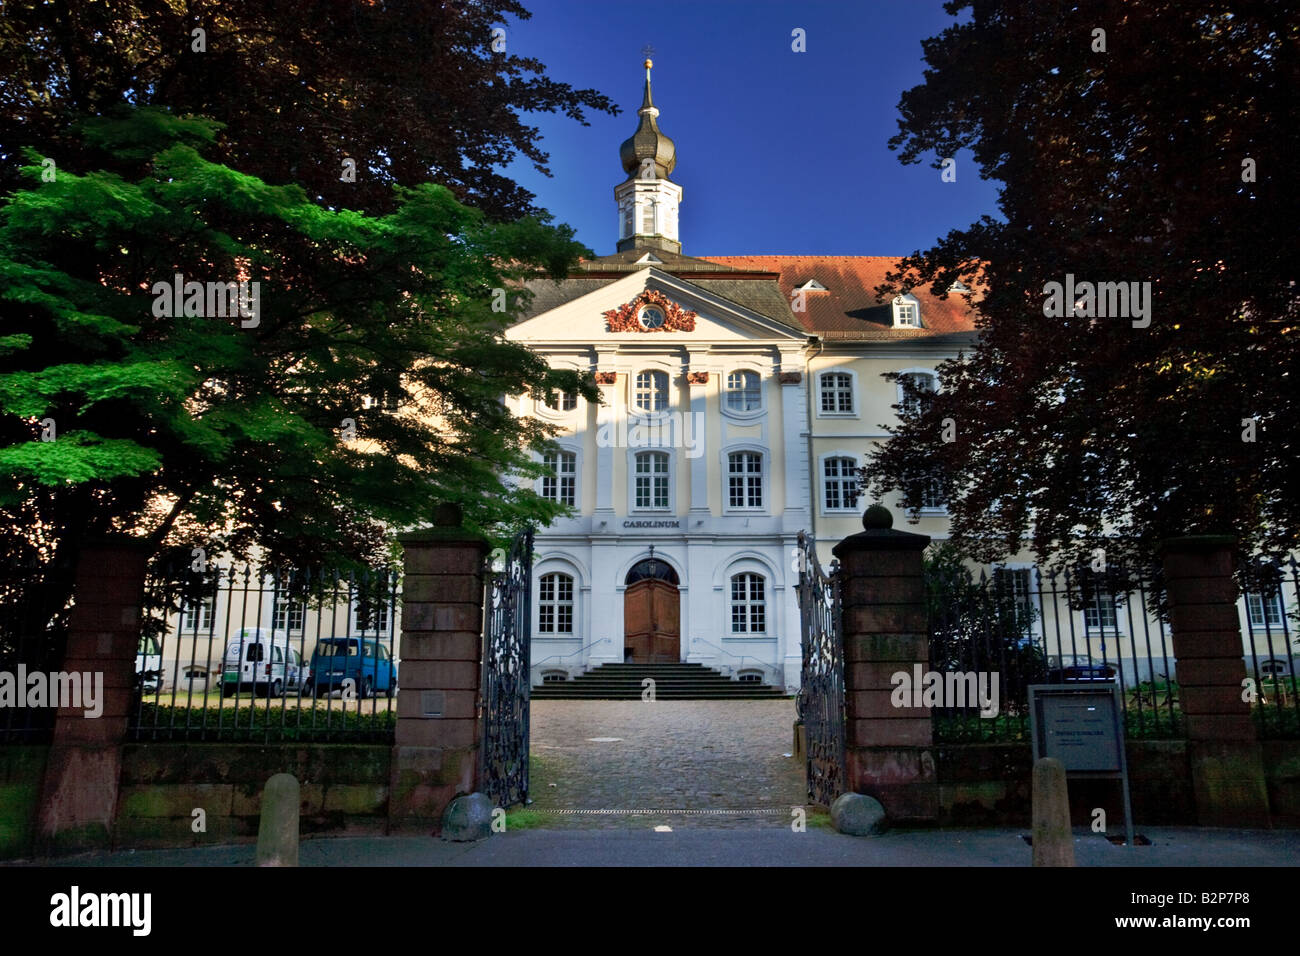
{"points": [[850, 306]]}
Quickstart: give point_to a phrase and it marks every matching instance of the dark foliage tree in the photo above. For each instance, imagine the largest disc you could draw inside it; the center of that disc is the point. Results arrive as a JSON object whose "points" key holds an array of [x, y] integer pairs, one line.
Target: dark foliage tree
{"points": [[978, 626], [1165, 158], [412, 90]]}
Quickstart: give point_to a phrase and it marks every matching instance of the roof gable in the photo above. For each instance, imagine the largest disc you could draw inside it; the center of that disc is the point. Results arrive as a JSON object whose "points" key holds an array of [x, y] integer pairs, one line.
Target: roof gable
{"points": [[574, 310]]}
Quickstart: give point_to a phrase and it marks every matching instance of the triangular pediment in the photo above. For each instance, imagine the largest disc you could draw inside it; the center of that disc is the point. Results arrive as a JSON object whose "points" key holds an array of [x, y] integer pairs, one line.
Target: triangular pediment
{"points": [[613, 312]]}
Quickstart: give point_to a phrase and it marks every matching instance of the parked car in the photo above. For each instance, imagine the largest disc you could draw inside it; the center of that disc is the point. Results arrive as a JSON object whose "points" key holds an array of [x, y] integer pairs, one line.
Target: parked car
{"points": [[254, 661], [364, 662], [148, 665], [1082, 672]]}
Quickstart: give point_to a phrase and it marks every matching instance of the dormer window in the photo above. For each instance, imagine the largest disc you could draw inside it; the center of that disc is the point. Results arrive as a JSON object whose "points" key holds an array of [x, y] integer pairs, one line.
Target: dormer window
{"points": [[907, 312], [959, 287], [812, 285]]}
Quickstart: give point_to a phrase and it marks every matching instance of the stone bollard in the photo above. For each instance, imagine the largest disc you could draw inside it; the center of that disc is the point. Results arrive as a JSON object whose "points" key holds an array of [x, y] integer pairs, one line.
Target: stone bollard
{"points": [[277, 832], [1053, 841]]}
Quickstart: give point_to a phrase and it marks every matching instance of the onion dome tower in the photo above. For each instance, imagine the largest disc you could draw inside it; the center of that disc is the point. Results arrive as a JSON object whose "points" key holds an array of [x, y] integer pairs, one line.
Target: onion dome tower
{"points": [[647, 200]]}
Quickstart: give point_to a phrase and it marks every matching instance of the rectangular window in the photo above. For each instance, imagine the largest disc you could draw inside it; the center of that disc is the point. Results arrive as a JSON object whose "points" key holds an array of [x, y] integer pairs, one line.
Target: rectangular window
{"points": [[555, 605], [919, 380], [651, 480], [841, 483], [1016, 584], [197, 616], [932, 498], [1099, 614], [837, 393], [1264, 613], [745, 480], [372, 616], [288, 616], [563, 487]]}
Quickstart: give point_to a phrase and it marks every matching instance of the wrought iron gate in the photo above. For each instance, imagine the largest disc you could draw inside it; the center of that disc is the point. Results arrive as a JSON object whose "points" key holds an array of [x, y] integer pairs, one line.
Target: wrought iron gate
{"points": [[507, 649], [821, 688]]}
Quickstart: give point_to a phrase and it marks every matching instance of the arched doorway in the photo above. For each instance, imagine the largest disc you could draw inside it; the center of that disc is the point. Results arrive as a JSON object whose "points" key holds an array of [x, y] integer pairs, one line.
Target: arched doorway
{"points": [[651, 613]]}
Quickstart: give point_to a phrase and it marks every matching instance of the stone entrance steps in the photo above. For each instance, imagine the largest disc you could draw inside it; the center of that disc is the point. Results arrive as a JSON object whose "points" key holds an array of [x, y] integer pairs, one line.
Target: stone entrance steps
{"points": [[673, 681]]}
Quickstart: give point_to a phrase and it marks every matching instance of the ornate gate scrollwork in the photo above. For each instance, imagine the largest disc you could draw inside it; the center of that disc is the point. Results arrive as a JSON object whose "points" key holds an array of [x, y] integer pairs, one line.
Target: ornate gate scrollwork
{"points": [[821, 688], [507, 640]]}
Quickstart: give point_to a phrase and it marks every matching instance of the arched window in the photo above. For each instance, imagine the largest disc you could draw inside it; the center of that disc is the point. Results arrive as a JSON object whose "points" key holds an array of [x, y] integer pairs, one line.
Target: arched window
{"points": [[555, 604], [650, 480], [563, 487], [836, 390], [651, 391], [921, 381], [840, 484], [748, 604], [745, 479], [652, 569], [744, 392]]}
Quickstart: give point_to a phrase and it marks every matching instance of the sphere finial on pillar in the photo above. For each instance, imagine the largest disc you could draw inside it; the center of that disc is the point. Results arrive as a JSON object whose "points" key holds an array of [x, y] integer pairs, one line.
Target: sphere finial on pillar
{"points": [[877, 517]]}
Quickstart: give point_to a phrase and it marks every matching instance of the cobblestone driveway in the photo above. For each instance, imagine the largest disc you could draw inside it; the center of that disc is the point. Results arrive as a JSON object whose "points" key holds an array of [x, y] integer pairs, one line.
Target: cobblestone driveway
{"points": [[666, 756]]}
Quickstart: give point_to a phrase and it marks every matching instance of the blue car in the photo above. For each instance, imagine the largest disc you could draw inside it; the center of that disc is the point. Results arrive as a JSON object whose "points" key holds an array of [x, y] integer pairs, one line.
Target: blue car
{"points": [[353, 665]]}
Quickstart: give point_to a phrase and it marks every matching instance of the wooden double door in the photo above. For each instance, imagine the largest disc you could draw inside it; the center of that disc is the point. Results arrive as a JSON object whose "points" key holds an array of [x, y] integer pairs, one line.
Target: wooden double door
{"points": [[652, 622]]}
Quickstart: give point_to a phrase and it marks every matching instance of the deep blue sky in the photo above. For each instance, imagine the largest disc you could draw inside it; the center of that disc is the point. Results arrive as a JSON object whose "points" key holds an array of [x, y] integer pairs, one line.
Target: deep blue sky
{"points": [[777, 152]]}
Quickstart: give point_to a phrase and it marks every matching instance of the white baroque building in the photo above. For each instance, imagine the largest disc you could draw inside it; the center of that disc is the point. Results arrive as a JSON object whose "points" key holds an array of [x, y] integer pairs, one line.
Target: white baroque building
{"points": [[739, 394]]}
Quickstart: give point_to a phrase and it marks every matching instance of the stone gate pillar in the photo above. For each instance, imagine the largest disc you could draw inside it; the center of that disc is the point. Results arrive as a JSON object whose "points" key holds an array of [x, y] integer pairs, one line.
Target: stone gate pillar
{"points": [[79, 791], [888, 750], [1222, 744], [439, 728]]}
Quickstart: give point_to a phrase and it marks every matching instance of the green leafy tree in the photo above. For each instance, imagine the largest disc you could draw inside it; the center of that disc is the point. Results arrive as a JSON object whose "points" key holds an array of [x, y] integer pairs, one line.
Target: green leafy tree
{"points": [[120, 413], [1159, 150]]}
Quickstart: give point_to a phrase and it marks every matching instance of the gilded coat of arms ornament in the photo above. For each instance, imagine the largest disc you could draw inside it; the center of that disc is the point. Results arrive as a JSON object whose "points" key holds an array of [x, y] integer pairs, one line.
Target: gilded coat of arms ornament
{"points": [[651, 311]]}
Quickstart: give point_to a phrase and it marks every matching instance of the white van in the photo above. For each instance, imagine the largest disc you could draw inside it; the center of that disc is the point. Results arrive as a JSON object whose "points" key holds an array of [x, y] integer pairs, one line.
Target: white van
{"points": [[253, 661], [148, 664]]}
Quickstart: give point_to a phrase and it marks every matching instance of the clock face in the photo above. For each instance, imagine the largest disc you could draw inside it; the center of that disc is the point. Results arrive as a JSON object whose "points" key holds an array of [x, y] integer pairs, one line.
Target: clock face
{"points": [[652, 317]]}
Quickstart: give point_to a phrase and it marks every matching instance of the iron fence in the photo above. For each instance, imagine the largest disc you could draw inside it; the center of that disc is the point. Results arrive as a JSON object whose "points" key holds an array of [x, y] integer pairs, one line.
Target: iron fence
{"points": [[1021, 626], [34, 607], [247, 653], [1270, 590]]}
